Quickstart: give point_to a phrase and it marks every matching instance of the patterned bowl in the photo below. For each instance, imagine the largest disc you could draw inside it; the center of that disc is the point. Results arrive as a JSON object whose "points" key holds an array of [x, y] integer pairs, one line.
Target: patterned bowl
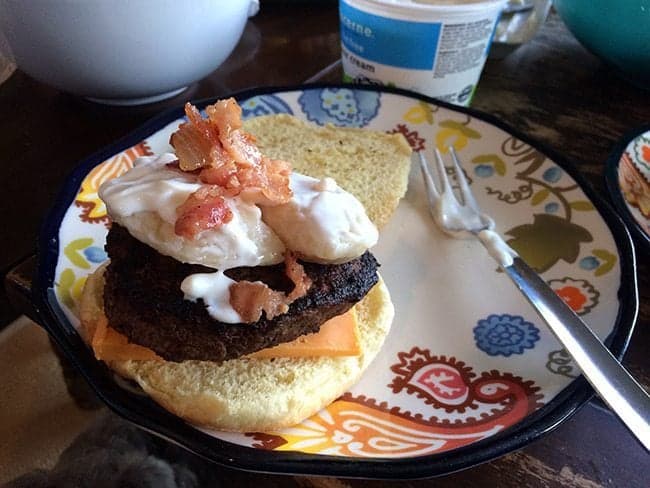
{"points": [[469, 371], [628, 181]]}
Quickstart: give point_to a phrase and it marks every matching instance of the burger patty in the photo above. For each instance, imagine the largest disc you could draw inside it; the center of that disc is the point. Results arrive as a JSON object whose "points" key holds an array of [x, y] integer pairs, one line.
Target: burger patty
{"points": [[144, 301]]}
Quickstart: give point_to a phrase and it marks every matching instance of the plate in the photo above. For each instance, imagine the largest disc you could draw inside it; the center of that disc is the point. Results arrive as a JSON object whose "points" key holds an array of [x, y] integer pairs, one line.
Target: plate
{"points": [[628, 181], [469, 371]]}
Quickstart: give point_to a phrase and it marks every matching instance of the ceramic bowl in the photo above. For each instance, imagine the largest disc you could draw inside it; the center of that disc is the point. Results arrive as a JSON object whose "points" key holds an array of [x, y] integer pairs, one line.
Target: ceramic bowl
{"points": [[616, 32], [122, 52]]}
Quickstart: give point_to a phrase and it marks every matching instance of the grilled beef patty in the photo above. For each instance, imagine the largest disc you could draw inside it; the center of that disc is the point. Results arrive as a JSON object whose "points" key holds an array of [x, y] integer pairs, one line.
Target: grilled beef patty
{"points": [[144, 301]]}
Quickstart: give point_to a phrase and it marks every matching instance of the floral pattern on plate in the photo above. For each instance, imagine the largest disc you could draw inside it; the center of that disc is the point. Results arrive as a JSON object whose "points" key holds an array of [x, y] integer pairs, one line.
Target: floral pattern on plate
{"points": [[264, 105], [560, 362], [634, 180], [422, 394], [340, 106], [93, 209], [505, 335], [363, 427], [579, 295]]}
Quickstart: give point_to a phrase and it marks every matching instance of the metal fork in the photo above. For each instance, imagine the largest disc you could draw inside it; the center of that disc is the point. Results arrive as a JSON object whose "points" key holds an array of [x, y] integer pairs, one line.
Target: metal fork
{"points": [[463, 218]]}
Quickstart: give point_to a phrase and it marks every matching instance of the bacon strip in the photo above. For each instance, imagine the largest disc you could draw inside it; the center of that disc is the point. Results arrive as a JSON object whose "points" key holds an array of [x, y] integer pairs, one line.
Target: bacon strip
{"points": [[250, 299], [267, 184], [204, 209], [227, 157], [225, 114], [296, 273], [197, 142]]}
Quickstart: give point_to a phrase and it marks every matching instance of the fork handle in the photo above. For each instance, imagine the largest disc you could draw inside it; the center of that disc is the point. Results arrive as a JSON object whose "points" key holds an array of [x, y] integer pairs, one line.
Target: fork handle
{"points": [[608, 377]]}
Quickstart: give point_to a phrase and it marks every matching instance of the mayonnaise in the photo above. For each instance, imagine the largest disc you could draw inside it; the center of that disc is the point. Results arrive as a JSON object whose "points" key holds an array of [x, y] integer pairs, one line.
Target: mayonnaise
{"points": [[454, 221], [214, 290], [150, 186], [145, 199], [501, 252], [322, 222]]}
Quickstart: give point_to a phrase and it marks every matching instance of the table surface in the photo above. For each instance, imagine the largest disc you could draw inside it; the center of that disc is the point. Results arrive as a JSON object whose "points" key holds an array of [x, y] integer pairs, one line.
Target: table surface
{"points": [[551, 89]]}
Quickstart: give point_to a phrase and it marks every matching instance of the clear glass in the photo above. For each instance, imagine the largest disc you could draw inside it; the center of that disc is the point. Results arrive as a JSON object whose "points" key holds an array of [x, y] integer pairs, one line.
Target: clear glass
{"points": [[7, 63], [519, 22]]}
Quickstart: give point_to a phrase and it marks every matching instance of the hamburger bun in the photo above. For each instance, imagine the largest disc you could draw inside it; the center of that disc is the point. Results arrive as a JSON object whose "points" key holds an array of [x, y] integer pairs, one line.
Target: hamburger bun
{"points": [[246, 394], [373, 166]]}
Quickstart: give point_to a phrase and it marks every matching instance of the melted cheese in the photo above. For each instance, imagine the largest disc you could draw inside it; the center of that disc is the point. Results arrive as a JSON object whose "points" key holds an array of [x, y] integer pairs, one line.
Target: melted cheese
{"points": [[337, 337], [110, 345]]}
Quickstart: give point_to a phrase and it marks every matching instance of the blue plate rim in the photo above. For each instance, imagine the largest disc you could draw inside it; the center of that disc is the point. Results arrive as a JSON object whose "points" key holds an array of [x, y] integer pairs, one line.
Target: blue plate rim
{"points": [[611, 180], [153, 418]]}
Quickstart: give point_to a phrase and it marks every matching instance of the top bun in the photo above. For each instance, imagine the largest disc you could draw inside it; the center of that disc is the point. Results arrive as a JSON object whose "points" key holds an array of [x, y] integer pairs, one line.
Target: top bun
{"points": [[373, 166]]}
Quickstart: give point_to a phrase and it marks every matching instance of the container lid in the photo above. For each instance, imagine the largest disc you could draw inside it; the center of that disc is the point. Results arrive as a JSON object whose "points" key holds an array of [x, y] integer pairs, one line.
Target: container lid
{"points": [[426, 10]]}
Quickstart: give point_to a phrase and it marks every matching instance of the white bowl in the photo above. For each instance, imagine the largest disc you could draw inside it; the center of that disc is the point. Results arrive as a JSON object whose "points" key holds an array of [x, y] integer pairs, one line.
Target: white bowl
{"points": [[122, 51]]}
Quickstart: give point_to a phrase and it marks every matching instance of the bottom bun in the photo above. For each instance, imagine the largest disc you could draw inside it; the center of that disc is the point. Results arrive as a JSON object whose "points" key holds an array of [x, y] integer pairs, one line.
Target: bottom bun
{"points": [[244, 395]]}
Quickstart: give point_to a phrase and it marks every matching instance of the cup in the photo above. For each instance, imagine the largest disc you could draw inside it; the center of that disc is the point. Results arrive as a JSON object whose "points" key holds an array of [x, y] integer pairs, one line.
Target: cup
{"points": [[122, 52], [434, 47]]}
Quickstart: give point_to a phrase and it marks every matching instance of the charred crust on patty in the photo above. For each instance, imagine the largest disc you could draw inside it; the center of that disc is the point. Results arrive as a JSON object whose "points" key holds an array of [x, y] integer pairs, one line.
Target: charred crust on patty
{"points": [[144, 301]]}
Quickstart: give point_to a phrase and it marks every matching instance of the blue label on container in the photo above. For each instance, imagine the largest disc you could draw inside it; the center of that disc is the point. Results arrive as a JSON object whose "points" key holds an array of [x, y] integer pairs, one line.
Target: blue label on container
{"points": [[399, 43]]}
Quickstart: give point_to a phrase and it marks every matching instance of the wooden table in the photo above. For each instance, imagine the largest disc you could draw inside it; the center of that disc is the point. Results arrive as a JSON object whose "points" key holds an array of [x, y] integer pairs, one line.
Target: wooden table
{"points": [[550, 88]]}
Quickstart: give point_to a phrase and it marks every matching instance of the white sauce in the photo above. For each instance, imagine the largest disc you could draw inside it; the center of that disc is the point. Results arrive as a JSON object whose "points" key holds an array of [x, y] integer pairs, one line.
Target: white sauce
{"points": [[453, 221], [322, 222], [145, 199], [214, 290], [148, 187], [497, 247]]}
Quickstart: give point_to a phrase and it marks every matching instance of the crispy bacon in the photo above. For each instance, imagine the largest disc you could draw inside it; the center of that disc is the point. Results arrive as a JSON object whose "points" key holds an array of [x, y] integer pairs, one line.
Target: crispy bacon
{"points": [[204, 209], [296, 273], [250, 299], [225, 114], [227, 157], [197, 142], [224, 176], [242, 148], [266, 184]]}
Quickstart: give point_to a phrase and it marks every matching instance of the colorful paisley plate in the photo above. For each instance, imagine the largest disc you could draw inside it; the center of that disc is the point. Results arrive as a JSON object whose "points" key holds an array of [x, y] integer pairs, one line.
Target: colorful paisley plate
{"points": [[628, 181], [468, 372]]}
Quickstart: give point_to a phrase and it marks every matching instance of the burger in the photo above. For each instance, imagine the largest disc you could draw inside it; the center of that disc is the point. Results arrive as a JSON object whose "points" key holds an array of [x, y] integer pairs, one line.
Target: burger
{"points": [[239, 293]]}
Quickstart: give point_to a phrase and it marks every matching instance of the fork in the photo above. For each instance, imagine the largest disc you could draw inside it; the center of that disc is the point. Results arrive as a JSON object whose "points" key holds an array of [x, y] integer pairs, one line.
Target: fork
{"points": [[463, 218]]}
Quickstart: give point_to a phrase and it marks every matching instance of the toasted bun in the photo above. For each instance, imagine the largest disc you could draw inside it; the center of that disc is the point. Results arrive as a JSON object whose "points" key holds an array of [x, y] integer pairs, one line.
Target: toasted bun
{"points": [[244, 395], [373, 166]]}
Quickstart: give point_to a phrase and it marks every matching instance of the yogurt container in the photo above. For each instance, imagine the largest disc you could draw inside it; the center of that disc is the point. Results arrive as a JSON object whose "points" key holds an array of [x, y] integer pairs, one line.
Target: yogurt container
{"points": [[434, 47]]}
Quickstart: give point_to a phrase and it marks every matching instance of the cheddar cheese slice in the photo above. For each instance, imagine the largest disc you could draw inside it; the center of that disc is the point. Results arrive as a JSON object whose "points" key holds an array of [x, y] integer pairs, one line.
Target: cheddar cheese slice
{"points": [[110, 345], [336, 337]]}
